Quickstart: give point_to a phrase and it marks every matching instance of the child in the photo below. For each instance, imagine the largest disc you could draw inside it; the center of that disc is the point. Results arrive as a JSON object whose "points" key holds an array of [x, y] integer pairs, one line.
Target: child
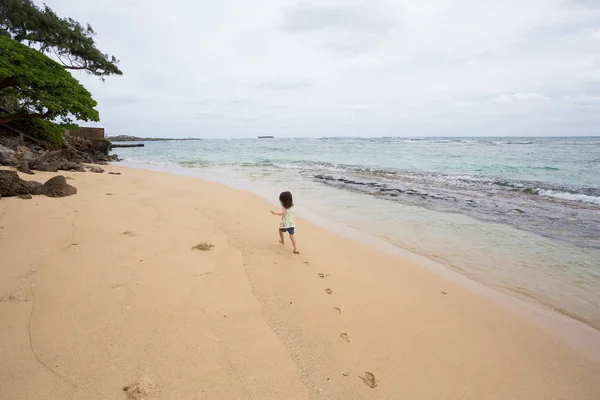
{"points": [[287, 218]]}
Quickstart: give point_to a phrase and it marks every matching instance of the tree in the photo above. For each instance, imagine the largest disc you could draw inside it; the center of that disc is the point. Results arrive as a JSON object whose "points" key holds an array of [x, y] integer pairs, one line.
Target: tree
{"points": [[70, 43], [33, 86]]}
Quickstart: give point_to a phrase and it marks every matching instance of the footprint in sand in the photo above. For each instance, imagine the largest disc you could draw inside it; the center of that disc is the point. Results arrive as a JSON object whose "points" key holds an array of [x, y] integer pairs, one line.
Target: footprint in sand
{"points": [[117, 285], [345, 337], [339, 310], [141, 390], [328, 291], [72, 245], [369, 380], [204, 246], [18, 297], [128, 233], [322, 276], [202, 274]]}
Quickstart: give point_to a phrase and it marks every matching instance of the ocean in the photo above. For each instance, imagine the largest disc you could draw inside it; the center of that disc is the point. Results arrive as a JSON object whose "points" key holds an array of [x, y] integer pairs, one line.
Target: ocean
{"points": [[521, 215]]}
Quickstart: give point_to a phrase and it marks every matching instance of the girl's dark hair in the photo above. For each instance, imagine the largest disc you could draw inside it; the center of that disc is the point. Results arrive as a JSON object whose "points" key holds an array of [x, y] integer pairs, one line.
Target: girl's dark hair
{"points": [[286, 199]]}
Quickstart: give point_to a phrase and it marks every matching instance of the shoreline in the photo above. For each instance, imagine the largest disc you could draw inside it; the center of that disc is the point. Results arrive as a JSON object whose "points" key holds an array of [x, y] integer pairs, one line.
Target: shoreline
{"points": [[248, 314], [526, 303]]}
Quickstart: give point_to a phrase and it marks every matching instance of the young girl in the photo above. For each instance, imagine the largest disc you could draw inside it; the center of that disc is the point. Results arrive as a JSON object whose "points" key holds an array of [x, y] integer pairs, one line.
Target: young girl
{"points": [[287, 218]]}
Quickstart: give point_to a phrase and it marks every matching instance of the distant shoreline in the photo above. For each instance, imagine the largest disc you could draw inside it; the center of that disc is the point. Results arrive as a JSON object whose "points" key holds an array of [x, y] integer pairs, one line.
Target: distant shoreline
{"points": [[124, 138]]}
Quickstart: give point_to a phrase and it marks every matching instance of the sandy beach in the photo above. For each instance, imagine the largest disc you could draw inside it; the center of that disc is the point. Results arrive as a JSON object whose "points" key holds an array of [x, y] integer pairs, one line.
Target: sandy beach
{"points": [[103, 297]]}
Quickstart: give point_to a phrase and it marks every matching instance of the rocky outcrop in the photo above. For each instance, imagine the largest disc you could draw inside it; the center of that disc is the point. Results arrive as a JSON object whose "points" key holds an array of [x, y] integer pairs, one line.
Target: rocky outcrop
{"points": [[34, 157], [12, 185]]}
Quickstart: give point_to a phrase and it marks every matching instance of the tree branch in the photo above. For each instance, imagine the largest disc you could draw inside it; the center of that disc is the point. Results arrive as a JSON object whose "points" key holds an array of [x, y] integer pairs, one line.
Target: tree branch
{"points": [[14, 117], [73, 67]]}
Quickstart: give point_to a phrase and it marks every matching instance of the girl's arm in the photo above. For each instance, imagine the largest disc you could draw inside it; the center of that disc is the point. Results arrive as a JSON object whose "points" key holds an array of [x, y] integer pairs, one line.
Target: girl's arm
{"points": [[278, 213]]}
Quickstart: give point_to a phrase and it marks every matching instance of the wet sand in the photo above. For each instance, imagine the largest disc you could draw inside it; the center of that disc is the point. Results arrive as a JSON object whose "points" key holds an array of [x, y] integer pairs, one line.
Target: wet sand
{"points": [[103, 296]]}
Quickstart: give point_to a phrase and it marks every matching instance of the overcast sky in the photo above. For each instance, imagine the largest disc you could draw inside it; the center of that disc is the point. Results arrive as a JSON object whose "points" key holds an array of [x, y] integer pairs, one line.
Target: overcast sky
{"points": [[241, 68]]}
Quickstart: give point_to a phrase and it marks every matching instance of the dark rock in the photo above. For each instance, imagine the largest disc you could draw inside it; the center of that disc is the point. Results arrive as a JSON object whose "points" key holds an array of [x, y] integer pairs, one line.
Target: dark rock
{"points": [[44, 159], [7, 157], [23, 149], [45, 156], [103, 146], [23, 167], [56, 187], [46, 167], [12, 185], [26, 197], [97, 170], [114, 173], [29, 156], [66, 159], [95, 149], [33, 186], [66, 165]]}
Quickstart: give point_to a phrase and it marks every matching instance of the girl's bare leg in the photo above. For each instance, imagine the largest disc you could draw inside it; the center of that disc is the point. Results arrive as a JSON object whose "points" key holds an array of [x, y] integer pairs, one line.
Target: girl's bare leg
{"points": [[281, 238], [293, 239]]}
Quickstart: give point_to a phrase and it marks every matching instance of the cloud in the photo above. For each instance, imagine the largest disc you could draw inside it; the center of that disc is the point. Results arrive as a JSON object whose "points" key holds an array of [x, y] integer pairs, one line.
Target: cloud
{"points": [[346, 26], [313, 16], [503, 99], [583, 3], [584, 100], [124, 99], [528, 96], [517, 97], [284, 85], [337, 67]]}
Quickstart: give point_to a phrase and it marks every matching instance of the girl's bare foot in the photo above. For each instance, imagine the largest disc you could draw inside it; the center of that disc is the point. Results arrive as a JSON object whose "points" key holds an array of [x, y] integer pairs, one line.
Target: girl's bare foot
{"points": [[281, 242], [293, 239]]}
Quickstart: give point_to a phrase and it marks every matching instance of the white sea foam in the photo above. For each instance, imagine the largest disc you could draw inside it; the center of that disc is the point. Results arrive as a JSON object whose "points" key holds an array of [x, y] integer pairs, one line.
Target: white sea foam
{"points": [[569, 196]]}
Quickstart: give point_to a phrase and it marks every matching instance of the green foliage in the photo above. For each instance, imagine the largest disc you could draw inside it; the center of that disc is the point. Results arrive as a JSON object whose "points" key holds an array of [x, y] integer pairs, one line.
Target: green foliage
{"points": [[72, 44], [34, 86], [43, 130]]}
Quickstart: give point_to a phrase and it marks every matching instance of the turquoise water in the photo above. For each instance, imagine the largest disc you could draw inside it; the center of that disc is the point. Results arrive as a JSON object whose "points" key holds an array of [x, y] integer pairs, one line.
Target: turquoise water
{"points": [[518, 214]]}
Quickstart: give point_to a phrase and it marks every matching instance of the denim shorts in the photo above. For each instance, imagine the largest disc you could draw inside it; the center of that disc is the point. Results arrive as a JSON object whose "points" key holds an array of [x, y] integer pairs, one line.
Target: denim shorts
{"points": [[289, 230]]}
